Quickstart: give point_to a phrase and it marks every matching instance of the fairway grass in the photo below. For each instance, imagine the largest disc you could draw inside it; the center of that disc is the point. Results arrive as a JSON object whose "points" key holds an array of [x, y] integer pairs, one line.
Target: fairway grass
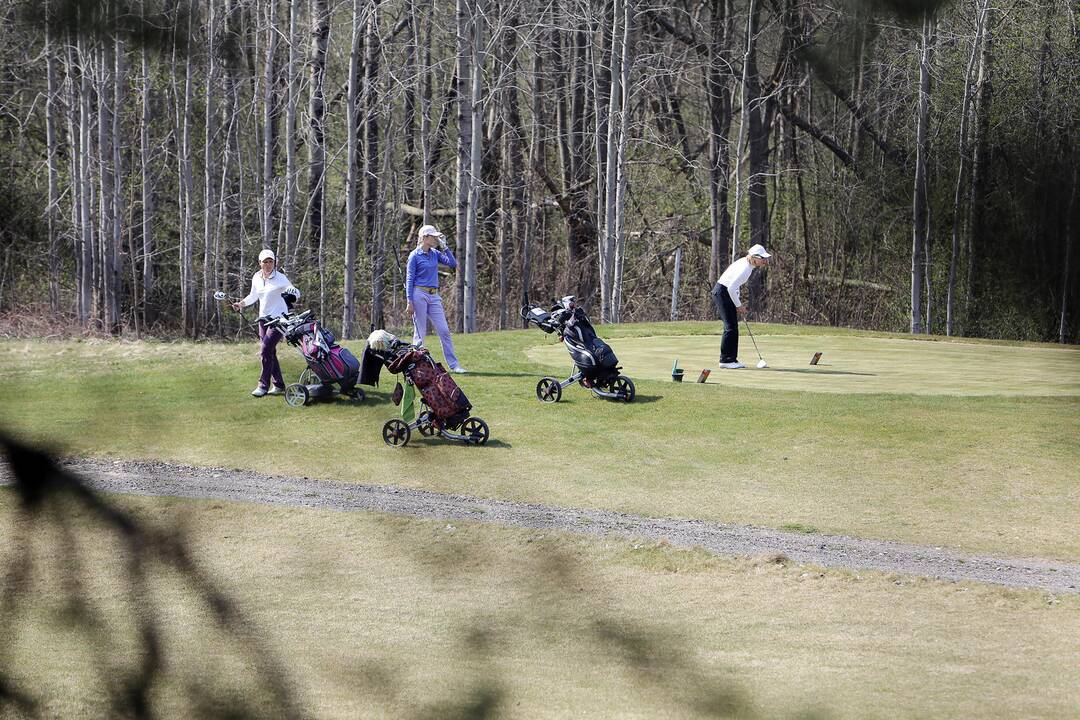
{"points": [[854, 364], [980, 472], [376, 616]]}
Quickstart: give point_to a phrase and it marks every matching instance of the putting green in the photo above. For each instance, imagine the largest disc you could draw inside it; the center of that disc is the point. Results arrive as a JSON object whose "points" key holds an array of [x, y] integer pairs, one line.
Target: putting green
{"points": [[850, 364]]}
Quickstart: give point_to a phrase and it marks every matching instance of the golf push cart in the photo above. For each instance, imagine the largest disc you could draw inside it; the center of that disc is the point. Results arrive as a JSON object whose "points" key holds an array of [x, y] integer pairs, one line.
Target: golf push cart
{"points": [[331, 369], [438, 408], [595, 364]]}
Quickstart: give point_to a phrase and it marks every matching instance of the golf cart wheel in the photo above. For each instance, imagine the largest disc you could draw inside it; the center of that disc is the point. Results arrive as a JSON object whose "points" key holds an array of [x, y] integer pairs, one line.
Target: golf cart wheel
{"points": [[548, 390], [624, 387], [308, 377], [356, 395], [396, 432], [476, 430], [296, 395], [425, 426]]}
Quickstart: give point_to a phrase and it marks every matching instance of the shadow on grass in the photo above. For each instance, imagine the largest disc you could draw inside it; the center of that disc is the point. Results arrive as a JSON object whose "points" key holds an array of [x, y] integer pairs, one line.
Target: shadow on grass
{"points": [[808, 371], [66, 542], [435, 441]]}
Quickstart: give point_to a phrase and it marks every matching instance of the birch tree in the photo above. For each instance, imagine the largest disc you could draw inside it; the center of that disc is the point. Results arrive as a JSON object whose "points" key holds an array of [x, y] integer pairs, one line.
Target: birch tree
{"points": [[476, 11], [920, 201], [292, 97], [961, 172], [320, 32], [352, 179]]}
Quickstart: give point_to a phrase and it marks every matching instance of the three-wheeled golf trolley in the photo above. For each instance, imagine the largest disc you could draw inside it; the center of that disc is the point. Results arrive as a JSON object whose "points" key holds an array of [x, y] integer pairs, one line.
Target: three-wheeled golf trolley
{"points": [[595, 364], [443, 410], [331, 371]]}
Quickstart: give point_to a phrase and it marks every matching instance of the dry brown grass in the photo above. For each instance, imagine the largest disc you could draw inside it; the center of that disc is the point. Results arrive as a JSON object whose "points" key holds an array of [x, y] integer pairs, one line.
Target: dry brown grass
{"points": [[386, 617]]}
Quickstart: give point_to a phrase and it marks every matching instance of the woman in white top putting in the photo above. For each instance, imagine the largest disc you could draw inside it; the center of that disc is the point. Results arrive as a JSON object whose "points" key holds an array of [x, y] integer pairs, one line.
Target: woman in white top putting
{"points": [[267, 286], [726, 296]]}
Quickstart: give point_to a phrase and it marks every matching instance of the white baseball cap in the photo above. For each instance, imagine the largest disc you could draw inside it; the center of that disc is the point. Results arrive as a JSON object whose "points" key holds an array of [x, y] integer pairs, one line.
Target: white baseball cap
{"points": [[429, 230], [267, 254], [758, 250]]}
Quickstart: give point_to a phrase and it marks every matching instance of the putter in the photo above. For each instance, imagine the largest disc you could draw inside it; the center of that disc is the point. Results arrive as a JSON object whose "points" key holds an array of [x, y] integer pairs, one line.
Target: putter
{"points": [[761, 360]]}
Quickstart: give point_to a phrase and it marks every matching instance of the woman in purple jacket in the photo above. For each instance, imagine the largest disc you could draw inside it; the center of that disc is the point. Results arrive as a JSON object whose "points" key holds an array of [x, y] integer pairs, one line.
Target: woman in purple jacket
{"points": [[422, 290]]}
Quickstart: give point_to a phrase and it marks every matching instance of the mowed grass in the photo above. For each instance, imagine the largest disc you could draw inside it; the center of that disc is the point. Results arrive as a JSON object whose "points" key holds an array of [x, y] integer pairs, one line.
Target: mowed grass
{"points": [[377, 616], [983, 472], [856, 364]]}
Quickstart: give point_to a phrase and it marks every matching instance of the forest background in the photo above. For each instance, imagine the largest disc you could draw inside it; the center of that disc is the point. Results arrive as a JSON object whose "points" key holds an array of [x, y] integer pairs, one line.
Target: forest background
{"points": [[912, 164]]}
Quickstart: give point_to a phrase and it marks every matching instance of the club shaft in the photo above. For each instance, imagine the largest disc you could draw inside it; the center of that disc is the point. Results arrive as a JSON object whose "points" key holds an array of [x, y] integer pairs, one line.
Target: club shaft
{"points": [[747, 324]]}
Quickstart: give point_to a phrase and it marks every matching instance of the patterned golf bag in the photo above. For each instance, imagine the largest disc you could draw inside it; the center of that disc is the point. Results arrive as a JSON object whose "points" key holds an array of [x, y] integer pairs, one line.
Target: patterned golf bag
{"points": [[330, 362], [446, 403]]}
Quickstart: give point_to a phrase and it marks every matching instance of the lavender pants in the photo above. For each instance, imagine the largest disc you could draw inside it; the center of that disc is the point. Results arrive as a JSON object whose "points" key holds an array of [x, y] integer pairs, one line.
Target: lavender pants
{"points": [[429, 308], [268, 339]]}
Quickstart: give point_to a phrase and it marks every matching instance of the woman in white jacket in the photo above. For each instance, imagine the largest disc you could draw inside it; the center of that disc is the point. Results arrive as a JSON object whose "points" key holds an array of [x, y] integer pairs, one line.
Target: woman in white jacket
{"points": [[726, 296], [267, 286]]}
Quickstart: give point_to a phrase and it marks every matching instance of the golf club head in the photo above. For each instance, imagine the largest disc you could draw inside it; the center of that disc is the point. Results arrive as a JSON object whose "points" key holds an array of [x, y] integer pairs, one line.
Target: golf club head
{"points": [[762, 364], [219, 295]]}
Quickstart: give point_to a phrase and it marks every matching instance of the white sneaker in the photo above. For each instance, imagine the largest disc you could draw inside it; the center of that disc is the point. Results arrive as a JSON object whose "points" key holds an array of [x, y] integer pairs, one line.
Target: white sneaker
{"points": [[732, 365], [275, 391], [458, 369], [259, 391]]}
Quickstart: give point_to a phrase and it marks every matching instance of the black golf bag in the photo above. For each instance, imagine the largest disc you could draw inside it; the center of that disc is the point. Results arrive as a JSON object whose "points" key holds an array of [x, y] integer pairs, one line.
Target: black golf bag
{"points": [[595, 364], [593, 357]]}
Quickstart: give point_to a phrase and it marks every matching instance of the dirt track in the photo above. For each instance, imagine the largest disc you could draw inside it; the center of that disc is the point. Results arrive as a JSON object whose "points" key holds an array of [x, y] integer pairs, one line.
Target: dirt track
{"points": [[837, 551]]}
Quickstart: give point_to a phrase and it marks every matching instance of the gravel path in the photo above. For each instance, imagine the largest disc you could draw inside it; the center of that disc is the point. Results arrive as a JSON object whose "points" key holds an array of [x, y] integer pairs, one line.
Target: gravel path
{"points": [[152, 478]]}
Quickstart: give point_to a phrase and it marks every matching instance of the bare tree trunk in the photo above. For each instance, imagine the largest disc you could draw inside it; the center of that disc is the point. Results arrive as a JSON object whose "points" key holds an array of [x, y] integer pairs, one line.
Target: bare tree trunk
{"points": [[290, 137], [84, 255], [425, 116], [719, 97], [412, 80], [626, 64], [760, 125], [187, 220], [107, 280], [320, 17], [965, 113], [920, 200], [209, 172], [270, 115], [536, 150], [515, 166], [118, 224], [52, 145], [675, 279], [744, 119], [979, 160], [1070, 240], [372, 212], [611, 177], [352, 127], [464, 148], [229, 220], [147, 193], [475, 149]]}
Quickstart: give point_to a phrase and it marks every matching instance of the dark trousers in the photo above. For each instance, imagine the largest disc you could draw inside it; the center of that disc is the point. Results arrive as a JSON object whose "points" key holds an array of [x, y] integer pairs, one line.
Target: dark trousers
{"points": [[729, 343], [269, 338]]}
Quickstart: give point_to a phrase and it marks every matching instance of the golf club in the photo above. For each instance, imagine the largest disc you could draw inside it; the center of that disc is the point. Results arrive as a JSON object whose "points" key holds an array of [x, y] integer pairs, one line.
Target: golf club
{"points": [[220, 296], [761, 360]]}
